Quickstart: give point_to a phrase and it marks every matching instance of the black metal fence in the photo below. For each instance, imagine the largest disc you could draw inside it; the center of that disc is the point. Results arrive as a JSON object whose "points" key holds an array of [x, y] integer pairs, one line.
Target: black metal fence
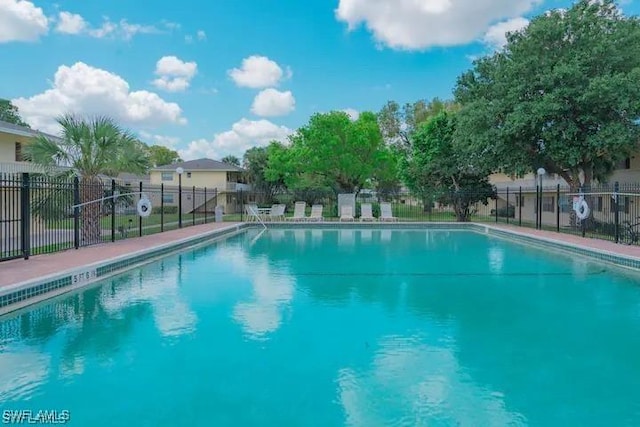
{"points": [[41, 214], [613, 210]]}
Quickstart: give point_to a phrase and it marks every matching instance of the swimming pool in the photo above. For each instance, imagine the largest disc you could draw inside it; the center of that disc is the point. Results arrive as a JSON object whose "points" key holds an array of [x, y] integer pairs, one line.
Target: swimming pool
{"points": [[336, 327]]}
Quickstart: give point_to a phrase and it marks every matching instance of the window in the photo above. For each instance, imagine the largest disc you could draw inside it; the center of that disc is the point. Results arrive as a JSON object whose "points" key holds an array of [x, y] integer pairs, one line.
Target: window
{"points": [[167, 176], [188, 174], [19, 156], [519, 200], [624, 164], [548, 204], [167, 198], [624, 204]]}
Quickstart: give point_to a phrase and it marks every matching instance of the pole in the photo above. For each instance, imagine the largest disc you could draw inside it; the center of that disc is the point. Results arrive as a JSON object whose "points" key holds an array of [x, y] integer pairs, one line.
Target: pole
{"points": [[193, 205], [76, 212], [497, 207], [25, 203], [558, 211], [537, 206], [241, 205], [520, 200], [139, 217], [161, 207], [179, 200], [205, 205], [616, 214], [508, 210], [113, 210]]}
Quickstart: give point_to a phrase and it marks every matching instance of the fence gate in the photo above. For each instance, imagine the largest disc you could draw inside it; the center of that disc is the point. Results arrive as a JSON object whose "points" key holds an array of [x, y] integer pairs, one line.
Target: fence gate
{"points": [[14, 232]]}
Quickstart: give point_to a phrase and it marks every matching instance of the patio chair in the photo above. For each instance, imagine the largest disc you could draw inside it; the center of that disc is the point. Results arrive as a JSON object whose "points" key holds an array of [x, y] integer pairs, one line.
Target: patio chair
{"points": [[366, 212], [299, 212], [316, 213], [277, 213], [385, 212], [251, 210], [346, 213]]}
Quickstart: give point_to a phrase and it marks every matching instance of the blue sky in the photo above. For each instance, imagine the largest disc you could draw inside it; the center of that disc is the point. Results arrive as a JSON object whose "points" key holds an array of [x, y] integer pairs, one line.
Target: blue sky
{"points": [[166, 70]]}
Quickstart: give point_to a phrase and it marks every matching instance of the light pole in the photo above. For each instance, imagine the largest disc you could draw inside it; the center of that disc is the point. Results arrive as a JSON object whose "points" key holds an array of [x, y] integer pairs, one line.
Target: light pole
{"points": [[179, 171], [541, 172]]}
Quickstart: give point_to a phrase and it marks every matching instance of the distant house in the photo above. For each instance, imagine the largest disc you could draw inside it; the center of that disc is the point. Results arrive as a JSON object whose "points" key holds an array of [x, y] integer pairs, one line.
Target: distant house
{"points": [[222, 179], [627, 174]]}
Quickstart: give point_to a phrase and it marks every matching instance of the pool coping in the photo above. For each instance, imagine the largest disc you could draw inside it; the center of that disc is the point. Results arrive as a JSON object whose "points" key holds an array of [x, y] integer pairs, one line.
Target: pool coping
{"points": [[19, 295]]}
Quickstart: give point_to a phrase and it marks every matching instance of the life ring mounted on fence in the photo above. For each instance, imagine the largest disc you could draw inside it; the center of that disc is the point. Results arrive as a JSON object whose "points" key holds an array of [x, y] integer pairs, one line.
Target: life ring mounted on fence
{"points": [[582, 209], [144, 207]]}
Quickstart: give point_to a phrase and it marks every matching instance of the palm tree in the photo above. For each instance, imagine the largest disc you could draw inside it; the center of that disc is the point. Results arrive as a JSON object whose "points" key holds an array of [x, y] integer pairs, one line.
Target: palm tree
{"points": [[90, 147], [231, 160]]}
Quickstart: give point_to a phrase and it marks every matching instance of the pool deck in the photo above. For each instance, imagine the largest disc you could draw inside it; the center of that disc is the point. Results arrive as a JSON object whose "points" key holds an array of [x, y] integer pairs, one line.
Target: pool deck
{"points": [[20, 270]]}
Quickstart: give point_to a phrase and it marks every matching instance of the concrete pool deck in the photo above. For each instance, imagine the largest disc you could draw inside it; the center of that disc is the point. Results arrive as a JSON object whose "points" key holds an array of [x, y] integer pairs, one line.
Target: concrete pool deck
{"points": [[20, 270]]}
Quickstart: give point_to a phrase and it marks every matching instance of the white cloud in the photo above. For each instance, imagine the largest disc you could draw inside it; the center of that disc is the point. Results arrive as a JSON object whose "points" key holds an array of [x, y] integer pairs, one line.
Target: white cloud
{"points": [[70, 23], [243, 135], [353, 114], [420, 24], [164, 140], [496, 35], [22, 21], [271, 103], [122, 29], [86, 90], [201, 35], [258, 72], [174, 74]]}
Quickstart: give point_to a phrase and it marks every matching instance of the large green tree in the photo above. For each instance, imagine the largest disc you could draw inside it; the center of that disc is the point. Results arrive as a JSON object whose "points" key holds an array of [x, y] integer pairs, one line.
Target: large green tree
{"points": [[336, 152], [564, 94], [255, 163], [436, 167], [162, 156], [9, 113], [397, 123], [91, 147]]}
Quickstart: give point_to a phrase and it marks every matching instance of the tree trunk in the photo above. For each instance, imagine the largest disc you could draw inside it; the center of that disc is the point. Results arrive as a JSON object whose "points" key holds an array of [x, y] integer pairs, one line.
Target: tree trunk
{"points": [[91, 190]]}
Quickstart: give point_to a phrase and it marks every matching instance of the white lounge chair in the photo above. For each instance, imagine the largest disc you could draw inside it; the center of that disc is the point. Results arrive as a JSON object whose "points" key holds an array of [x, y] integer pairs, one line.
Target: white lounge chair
{"points": [[316, 213], [366, 212], [299, 212], [277, 213], [346, 213], [385, 212], [251, 210]]}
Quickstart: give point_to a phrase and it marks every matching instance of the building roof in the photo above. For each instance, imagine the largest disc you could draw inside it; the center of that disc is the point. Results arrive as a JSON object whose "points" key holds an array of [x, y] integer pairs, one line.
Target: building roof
{"points": [[10, 128], [200, 165]]}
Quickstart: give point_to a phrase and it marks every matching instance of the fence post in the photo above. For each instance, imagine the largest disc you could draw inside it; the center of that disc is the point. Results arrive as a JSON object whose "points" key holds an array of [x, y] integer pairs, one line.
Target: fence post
{"points": [[113, 210], [205, 205], [497, 197], [161, 207], [520, 206], [558, 211], [537, 206], [508, 210], [76, 212], [179, 200], [25, 206], [139, 217], [241, 205], [193, 206], [616, 214]]}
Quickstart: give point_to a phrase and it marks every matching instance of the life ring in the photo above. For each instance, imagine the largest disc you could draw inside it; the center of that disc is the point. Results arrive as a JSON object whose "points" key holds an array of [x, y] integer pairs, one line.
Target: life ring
{"points": [[582, 209], [144, 207]]}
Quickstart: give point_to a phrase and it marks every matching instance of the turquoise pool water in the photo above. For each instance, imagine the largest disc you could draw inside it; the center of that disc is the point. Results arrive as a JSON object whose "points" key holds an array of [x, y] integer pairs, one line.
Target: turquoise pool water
{"points": [[330, 328]]}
